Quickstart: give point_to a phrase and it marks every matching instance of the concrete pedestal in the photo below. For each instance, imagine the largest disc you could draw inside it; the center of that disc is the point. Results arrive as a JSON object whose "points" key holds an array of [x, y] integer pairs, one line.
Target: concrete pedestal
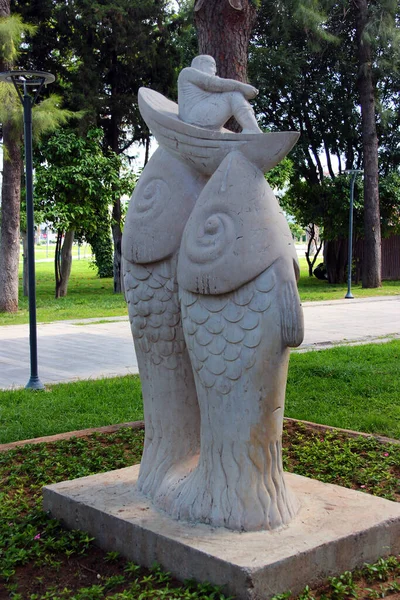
{"points": [[335, 530]]}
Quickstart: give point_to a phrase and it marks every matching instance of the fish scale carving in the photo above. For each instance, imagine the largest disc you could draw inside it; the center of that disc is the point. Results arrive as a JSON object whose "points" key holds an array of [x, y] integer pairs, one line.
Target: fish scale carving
{"points": [[154, 312], [223, 333]]}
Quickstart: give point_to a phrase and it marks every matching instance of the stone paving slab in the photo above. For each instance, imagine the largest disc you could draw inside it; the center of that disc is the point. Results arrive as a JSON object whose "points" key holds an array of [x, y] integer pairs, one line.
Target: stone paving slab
{"points": [[67, 351], [336, 529], [95, 348], [364, 319]]}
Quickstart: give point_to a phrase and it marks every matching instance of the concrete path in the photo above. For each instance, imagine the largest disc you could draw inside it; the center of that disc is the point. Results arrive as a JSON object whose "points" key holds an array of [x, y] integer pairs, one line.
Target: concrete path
{"points": [[94, 348]]}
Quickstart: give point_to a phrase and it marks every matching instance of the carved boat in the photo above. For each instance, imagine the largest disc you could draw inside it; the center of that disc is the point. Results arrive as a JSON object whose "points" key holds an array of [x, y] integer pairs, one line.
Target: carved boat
{"points": [[205, 149]]}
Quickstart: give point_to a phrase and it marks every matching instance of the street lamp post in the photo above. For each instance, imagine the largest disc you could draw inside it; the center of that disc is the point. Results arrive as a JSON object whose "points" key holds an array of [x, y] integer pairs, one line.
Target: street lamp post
{"points": [[353, 174], [26, 80]]}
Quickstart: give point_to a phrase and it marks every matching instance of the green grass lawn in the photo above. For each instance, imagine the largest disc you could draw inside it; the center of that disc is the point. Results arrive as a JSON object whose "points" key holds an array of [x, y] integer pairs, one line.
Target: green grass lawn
{"points": [[68, 407], [312, 289], [42, 252], [351, 387], [88, 296]]}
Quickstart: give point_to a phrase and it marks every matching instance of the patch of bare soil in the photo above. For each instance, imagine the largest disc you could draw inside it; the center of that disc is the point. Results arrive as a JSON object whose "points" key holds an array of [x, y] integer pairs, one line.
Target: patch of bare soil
{"points": [[307, 450]]}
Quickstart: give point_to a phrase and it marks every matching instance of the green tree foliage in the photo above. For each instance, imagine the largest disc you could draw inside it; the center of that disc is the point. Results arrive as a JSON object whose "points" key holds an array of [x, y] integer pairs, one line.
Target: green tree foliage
{"points": [[12, 31], [305, 59], [307, 83], [307, 71], [102, 52], [327, 205], [100, 241], [184, 34], [76, 184], [389, 193], [279, 177], [46, 117], [296, 230]]}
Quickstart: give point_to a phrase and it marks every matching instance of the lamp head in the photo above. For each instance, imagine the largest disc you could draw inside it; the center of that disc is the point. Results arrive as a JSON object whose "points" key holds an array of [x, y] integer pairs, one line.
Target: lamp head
{"points": [[27, 78]]}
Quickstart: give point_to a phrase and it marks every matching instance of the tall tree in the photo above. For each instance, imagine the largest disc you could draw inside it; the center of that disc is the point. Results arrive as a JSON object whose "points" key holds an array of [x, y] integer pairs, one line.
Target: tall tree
{"points": [[310, 85], [75, 185], [223, 30], [377, 38], [11, 29], [371, 274], [105, 50]]}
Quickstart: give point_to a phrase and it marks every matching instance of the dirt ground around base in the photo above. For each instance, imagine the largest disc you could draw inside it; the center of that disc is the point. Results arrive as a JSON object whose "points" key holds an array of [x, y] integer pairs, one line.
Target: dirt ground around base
{"points": [[94, 568]]}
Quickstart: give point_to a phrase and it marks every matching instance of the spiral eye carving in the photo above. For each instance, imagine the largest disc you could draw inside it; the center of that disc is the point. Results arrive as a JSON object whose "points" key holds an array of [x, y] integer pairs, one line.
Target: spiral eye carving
{"points": [[212, 226], [152, 200], [214, 237]]}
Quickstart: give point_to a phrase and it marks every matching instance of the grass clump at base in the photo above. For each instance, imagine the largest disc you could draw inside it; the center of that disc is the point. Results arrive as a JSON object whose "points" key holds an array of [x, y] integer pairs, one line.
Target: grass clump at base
{"points": [[40, 560], [360, 463], [373, 581]]}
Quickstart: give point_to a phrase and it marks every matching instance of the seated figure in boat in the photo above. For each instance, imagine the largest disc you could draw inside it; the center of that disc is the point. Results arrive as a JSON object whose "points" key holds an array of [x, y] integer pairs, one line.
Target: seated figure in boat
{"points": [[208, 101]]}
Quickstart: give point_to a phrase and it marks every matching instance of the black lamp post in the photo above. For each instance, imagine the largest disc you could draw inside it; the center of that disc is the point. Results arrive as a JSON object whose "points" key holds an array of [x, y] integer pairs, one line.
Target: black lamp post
{"points": [[34, 80], [353, 174]]}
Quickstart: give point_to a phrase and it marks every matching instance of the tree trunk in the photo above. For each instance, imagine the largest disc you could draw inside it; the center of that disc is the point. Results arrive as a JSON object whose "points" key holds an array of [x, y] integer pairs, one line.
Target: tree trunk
{"points": [[25, 278], [66, 263], [147, 149], [10, 205], [10, 220], [113, 143], [57, 262], [335, 260], [117, 238], [313, 240], [371, 270], [223, 30]]}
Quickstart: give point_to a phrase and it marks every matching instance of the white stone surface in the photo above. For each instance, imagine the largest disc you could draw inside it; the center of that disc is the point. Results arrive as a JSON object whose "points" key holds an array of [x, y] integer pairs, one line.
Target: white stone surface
{"points": [[336, 529], [209, 101], [214, 388], [205, 149], [171, 409], [161, 204], [241, 311], [236, 230]]}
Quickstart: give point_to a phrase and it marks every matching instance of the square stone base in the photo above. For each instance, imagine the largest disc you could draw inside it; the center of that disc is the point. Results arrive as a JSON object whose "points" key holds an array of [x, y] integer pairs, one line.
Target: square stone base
{"points": [[335, 530]]}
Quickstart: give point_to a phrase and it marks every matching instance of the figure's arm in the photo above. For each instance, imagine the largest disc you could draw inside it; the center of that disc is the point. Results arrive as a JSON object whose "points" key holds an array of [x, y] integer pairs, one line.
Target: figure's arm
{"points": [[212, 83]]}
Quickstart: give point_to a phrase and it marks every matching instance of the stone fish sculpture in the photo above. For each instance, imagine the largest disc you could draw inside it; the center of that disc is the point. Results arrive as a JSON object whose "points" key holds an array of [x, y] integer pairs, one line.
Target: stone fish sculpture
{"points": [[210, 278]]}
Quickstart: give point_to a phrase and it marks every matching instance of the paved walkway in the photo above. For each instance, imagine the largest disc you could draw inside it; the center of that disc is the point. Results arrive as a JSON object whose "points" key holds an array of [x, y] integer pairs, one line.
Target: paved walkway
{"points": [[94, 348]]}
